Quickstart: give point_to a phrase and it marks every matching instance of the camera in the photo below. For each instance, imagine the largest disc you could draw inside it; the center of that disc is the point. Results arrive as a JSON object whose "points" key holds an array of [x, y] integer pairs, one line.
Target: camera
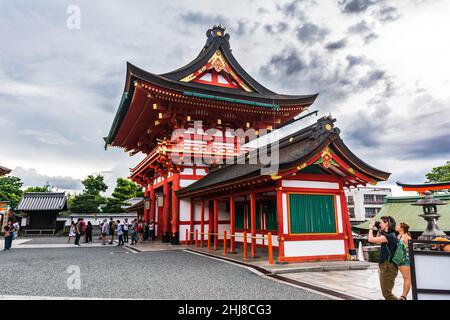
{"points": [[377, 225]]}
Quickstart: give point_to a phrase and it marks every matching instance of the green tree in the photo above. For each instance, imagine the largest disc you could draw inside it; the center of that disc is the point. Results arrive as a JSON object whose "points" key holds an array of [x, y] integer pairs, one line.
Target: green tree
{"points": [[90, 200], [439, 174], [45, 188], [124, 190], [10, 190]]}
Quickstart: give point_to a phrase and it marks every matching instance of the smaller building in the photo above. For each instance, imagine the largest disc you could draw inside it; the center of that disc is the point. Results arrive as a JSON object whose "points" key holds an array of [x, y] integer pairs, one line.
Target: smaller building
{"points": [[402, 210], [364, 202], [41, 209]]}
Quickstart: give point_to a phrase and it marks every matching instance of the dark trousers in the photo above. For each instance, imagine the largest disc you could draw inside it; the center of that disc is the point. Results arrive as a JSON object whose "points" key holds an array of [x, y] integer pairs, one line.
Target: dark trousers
{"points": [[77, 238], [120, 240], [125, 235], [8, 242], [388, 273], [88, 237]]}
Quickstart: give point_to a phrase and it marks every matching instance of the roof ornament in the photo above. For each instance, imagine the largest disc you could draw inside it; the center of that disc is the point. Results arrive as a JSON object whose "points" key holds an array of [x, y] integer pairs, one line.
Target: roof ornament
{"points": [[217, 31]]}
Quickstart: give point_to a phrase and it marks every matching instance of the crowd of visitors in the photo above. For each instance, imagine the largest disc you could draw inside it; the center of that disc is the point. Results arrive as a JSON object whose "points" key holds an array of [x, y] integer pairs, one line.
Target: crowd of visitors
{"points": [[137, 230]]}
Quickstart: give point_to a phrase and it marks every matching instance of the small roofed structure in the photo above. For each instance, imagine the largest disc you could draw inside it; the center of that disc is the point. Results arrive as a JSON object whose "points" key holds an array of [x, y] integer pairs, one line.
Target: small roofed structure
{"points": [[403, 210], [41, 210], [4, 171]]}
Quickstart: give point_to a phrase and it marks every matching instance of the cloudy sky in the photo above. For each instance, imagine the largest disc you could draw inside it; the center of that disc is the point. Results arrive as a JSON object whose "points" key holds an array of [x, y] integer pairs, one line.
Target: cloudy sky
{"points": [[381, 68]]}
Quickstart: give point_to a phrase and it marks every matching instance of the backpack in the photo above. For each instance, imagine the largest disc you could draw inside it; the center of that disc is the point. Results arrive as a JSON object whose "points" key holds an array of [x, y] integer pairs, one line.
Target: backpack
{"points": [[400, 256]]}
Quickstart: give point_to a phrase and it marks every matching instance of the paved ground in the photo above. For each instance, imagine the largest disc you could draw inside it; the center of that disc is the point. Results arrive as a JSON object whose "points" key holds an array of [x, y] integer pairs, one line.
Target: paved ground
{"points": [[362, 284], [111, 272]]}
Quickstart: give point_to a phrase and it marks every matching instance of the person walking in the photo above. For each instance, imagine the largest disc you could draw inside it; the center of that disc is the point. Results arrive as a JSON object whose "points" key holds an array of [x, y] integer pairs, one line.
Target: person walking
{"points": [[88, 234], [387, 239], [151, 230], [133, 232], [72, 233], [120, 233], [140, 230], [403, 239], [125, 231], [111, 230], [8, 234], [104, 231], [78, 232]]}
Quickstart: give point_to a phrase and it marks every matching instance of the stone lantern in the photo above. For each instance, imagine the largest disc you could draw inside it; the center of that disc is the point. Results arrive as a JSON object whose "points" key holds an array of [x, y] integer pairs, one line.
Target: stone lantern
{"points": [[429, 204]]}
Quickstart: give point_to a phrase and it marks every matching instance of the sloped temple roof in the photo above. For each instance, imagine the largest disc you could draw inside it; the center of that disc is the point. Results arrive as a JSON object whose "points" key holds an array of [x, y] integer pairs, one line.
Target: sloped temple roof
{"points": [[301, 150], [4, 171], [183, 83], [43, 201]]}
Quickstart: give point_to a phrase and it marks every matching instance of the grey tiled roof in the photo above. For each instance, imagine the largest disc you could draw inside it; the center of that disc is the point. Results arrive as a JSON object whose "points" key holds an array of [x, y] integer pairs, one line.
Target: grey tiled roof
{"points": [[43, 201]]}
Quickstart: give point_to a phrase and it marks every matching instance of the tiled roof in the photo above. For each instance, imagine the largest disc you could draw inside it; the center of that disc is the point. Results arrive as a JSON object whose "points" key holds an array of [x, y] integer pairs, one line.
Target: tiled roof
{"points": [[4, 171], [43, 201]]}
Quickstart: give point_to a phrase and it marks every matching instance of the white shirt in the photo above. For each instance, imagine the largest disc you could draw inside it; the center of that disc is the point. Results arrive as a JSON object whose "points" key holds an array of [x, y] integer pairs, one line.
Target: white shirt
{"points": [[125, 227]]}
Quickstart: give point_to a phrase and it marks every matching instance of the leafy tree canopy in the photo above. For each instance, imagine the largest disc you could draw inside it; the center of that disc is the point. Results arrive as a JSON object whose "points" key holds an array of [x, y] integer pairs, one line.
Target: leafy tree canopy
{"points": [[124, 190], [45, 188], [89, 200], [10, 190], [439, 174]]}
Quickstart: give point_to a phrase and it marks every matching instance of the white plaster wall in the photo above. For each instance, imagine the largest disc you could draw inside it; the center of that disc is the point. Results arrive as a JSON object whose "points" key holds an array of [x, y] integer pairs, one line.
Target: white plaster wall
{"points": [[309, 184], [197, 212], [285, 214], [313, 248], [185, 210], [184, 182], [339, 214]]}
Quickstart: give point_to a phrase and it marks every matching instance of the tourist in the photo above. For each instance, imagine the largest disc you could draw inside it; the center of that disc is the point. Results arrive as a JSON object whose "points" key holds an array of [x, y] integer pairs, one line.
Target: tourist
{"points": [[104, 231], [404, 236], [146, 231], [83, 226], [8, 234], [151, 230], [133, 232], [16, 227], [71, 231], [88, 234], [111, 230], [387, 239], [78, 232], [120, 232], [125, 231]]}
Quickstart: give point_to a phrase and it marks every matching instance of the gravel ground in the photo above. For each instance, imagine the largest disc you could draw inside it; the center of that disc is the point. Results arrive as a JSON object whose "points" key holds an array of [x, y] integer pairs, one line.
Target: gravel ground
{"points": [[111, 272]]}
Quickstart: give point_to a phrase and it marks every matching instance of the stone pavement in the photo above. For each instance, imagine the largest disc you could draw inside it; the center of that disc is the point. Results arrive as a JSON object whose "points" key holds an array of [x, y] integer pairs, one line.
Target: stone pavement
{"points": [[361, 284]]}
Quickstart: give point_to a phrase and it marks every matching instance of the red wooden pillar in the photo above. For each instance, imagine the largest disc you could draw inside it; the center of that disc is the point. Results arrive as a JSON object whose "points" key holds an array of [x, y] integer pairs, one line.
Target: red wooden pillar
{"points": [[165, 219], [191, 222], [202, 222], [216, 223], [210, 218], [280, 222], [253, 223], [232, 223], [175, 209], [152, 203]]}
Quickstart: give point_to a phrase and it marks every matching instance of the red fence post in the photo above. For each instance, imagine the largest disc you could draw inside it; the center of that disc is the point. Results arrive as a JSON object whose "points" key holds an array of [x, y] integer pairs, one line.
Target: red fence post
{"points": [[225, 242], [245, 246], [196, 238], [269, 239]]}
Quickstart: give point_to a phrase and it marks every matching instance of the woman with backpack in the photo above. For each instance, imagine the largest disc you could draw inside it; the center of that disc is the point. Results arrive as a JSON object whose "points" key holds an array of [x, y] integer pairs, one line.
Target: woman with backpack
{"points": [[386, 237], [403, 256]]}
